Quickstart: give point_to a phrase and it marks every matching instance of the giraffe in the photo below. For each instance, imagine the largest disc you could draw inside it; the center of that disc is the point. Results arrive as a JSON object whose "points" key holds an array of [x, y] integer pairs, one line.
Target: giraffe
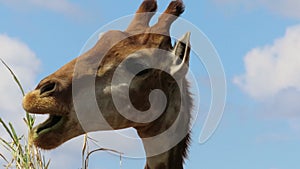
{"points": [[55, 94]]}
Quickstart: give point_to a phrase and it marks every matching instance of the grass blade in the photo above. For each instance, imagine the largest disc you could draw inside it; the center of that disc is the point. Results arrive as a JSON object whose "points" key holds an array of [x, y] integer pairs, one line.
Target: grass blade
{"points": [[14, 76], [23, 155], [6, 128], [2, 156], [96, 150], [28, 117]]}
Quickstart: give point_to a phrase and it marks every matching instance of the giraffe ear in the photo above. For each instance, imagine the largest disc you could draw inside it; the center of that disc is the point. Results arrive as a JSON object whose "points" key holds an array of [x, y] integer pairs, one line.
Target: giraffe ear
{"points": [[181, 52]]}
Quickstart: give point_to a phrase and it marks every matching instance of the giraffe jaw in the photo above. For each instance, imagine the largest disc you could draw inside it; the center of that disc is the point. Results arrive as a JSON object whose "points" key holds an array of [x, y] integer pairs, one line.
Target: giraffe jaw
{"points": [[55, 131], [49, 134]]}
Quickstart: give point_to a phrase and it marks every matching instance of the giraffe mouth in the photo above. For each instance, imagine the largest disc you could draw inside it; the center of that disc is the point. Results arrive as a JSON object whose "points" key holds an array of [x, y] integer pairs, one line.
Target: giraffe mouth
{"points": [[52, 132], [53, 122]]}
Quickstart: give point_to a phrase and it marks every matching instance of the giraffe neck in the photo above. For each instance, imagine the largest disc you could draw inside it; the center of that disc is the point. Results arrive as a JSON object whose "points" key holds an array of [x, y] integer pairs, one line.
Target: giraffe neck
{"points": [[172, 158]]}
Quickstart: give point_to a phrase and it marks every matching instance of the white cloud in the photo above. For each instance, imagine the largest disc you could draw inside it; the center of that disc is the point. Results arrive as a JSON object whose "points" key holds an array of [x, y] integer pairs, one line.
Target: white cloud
{"points": [[25, 65], [284, 104], [274, 137], [287, 8], [273, 68], [283, 107], [272, 77], [23, 61], [60, 6]]}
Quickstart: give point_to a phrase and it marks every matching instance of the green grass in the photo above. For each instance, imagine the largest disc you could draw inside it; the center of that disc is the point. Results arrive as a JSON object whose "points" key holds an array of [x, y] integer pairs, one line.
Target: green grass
{"points": [[22, 154]]}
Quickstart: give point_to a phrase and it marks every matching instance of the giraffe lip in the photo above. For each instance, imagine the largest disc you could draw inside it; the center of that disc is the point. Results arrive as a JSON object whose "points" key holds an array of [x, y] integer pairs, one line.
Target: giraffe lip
{"points": [[53, 122]]}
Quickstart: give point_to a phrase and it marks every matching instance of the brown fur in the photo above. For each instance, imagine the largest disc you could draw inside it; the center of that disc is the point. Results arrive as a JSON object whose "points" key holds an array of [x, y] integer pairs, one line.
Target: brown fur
{"points": [[58, 101]]}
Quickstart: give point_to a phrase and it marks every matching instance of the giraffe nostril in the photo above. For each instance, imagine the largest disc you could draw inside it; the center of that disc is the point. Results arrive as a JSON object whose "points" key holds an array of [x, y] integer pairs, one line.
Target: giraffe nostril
{"points": [[48, 88]]}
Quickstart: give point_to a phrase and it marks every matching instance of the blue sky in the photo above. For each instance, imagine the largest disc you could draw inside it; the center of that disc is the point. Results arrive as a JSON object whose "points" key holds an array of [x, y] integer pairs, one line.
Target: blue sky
{"points": [[258, 43]]}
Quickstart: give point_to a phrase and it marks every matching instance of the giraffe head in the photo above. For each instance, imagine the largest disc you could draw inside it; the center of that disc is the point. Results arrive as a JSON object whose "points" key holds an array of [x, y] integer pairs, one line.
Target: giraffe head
{"points": [[132, 53]]}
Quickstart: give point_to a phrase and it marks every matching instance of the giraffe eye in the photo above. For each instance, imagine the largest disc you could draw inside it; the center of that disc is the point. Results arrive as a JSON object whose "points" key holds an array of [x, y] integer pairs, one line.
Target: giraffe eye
{"points": [[136, 68]]}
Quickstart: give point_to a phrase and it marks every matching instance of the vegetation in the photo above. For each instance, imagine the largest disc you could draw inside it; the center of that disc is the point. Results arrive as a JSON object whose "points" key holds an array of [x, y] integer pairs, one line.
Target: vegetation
{"points": [[23, 155]]}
